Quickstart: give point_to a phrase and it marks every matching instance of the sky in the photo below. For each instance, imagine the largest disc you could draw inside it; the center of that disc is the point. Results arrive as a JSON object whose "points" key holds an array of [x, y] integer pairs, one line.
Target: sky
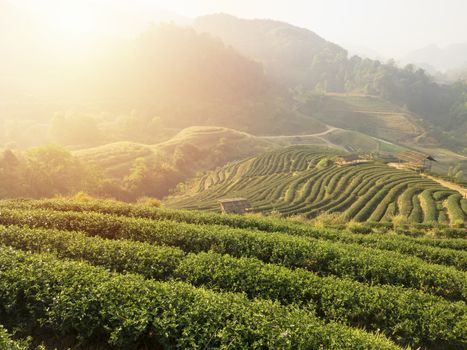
{"points": [[390, 28]]}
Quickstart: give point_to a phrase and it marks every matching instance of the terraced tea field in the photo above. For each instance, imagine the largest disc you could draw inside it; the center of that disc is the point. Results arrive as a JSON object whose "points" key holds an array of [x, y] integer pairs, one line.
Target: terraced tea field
{"points": [[108, 275], [304, 180], [367, 114]]}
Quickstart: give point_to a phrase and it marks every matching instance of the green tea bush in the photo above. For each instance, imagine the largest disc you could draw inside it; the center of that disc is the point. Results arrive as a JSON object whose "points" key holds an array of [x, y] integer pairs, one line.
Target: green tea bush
{"points": [[128, 312], [7, 343], [327, 258], [407, 319]]}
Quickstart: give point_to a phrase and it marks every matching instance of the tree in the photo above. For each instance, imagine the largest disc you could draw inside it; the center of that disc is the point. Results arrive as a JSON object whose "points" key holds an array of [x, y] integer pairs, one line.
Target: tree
{"points": [[53, 170], [12, 173]]}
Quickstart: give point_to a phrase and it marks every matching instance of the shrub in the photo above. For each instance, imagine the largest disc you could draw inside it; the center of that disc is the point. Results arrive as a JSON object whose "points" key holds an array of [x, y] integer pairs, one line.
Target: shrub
{"points": [[83, 197], [150, 202], [358, 227], [7, 343], [329, 219], [325, 257], [129, 312]]}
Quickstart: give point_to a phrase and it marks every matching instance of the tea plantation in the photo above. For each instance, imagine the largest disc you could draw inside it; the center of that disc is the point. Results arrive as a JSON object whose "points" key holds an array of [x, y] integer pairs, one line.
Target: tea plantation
{"points": [[98, 274], [306, 181]]}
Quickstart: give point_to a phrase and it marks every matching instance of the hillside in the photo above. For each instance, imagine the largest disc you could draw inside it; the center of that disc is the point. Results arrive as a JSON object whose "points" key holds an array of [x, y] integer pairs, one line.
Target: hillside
{"points": [[443, 59], [167, 74], [370, 115], [165, 164], [133, 274], [213, 145], [304, 180], [303, 61], [294, 56]]}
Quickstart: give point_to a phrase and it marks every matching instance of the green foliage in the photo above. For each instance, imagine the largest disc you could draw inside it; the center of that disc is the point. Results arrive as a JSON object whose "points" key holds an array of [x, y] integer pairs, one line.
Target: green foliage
{"points": [[301, 180], [455, 212], [149, 201], [6, 343], [128, 312], [430, 211], [343, 282], [425, 248], [44, 171], [324, 257], [359, 304], [323, 163]]}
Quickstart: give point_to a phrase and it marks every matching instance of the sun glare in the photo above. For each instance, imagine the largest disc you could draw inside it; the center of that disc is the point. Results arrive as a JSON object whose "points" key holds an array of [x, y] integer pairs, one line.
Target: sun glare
{"points": [[70, 18]]}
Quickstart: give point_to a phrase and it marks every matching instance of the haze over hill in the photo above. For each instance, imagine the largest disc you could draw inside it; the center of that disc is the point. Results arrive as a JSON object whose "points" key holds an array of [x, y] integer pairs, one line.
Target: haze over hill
{"points": [[264, 77], [300, 59], [443, 59], [228, 175], [287, 52]]}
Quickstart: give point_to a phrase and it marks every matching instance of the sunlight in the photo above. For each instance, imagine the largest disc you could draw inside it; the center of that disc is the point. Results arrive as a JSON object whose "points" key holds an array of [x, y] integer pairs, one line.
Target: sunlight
{"points": [[69, 19]]}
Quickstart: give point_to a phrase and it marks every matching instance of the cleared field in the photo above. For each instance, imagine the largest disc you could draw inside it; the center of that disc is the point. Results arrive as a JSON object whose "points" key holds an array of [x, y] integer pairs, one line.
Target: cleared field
{"points": [[117, 276], [304, 180]]}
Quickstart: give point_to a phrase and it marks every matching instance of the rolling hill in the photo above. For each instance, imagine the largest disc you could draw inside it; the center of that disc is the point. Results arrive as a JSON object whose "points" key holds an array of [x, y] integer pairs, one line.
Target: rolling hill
{"points": [[304, 180], [287, 52], [214, 146], [192, 150], [303, 61], [370, 115]]}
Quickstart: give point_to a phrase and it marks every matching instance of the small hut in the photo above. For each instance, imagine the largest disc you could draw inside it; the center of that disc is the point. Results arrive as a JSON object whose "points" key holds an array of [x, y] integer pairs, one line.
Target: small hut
{"points": [[234, 205], [416, 160]]}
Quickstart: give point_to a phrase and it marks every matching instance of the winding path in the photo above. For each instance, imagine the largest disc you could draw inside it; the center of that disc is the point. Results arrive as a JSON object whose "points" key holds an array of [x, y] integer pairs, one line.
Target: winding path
{"points": [[329, 130], [449, 184]]}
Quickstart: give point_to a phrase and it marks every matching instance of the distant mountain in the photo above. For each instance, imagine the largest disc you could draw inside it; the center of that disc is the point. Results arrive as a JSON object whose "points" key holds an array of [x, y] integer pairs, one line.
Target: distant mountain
{"points": [[442, 59], [363, 51], [304, 61], [458, 74], [293, 55]]}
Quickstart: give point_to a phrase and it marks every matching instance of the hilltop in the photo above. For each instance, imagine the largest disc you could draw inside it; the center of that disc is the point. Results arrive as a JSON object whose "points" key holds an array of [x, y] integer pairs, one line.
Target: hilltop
{"points": [[293, 55], [192, 150]]}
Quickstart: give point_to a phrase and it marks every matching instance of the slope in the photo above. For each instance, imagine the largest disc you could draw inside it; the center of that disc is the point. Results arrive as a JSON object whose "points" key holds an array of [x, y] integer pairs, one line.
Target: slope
{"points": [[286, 51], [304, 180], [370, 115], [192, 150], [305, 62]]}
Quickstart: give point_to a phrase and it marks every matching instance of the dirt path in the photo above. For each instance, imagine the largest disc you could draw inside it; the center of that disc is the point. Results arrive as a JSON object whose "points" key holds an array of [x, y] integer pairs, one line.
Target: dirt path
{"points": [[448, 184], [329, 130], [445, 183]]}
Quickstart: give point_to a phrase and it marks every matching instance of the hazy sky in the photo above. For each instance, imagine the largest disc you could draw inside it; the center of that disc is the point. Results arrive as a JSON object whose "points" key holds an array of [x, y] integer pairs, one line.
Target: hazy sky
{"points": [[390, 27]]}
